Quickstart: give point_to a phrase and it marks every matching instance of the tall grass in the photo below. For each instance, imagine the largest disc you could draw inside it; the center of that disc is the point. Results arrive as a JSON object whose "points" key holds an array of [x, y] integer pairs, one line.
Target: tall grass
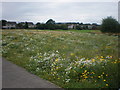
{"points": [[70, 59]]}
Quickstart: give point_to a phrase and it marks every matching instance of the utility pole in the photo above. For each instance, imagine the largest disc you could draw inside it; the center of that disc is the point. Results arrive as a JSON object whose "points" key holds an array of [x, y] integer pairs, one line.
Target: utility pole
{"points": [[119, 12]]}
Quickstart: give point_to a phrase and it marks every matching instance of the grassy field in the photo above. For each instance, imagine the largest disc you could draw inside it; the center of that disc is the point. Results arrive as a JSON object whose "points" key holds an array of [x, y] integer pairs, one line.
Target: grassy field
{"points": [[70, 59]]}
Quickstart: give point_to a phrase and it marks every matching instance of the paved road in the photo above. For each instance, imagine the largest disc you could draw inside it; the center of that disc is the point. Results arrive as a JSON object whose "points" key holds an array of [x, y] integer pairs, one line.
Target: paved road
{"points": [[16, 77]]}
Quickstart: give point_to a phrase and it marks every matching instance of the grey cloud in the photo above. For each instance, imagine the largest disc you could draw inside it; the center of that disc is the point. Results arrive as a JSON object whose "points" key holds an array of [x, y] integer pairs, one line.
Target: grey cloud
{"points": [[73, 11]]}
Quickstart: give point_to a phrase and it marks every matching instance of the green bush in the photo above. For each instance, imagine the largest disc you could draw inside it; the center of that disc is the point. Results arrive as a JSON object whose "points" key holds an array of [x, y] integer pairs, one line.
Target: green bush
{"points": [[110, 25]]}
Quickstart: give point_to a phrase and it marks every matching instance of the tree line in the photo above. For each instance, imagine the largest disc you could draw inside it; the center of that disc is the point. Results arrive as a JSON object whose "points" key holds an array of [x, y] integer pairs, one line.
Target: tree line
{"points": [[52, 25], [109, 24]]}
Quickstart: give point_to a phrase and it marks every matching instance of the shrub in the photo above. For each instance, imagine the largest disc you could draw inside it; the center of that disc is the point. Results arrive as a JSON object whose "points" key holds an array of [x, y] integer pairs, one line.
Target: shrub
{"points": [[110, 25], [78, 28]]}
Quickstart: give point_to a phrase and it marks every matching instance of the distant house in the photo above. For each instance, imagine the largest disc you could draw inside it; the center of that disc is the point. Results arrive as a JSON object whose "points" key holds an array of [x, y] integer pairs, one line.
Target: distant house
{"points": [[72, 26], [87, 26], [30, 25], [83, 26], [90, 27], [22, 23], [9, 25]]}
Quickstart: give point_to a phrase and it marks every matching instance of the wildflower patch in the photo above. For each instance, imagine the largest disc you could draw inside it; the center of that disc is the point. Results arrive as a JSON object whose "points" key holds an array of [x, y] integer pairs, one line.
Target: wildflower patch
{"points": [[68, 59]]}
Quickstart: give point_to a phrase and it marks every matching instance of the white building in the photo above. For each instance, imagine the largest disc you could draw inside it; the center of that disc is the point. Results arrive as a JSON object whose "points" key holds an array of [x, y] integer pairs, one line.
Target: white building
{"points": [[10, 25], [30, 25], [70, 26], [90, 26]]}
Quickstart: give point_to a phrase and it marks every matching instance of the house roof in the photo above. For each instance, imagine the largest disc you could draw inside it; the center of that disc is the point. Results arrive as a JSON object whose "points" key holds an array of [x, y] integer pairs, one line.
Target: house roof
{"points": [[11, 23], [22, 22], [30, 23]]}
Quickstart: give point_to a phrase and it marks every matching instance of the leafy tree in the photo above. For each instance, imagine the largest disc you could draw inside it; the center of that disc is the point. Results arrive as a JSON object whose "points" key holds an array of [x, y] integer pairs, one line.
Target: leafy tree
{"points": [[4, 22], [94, 24], [50, 24], [26, 25], [81, 23], [57, 26], [50, 21], [40, 26], [20, 25], [78, 27], [61, 26], [64, 27], [37, 25], [110, 24]]}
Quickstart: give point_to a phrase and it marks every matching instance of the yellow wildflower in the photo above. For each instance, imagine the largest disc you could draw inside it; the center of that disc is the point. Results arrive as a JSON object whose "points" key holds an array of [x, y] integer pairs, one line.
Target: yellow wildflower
{"points": [[92, 77], [56, 59], [106, 74], [72, 54], [93, 73], [110, 56], [81, 67], [97, 56], [86, 77], [101, 56], [108, 46], [115, 62], [88, 72], [85, 71], [74, 71], [106, 84], [104, 80], [99, 76], [40, 56], [101, 59], [87, 59], [93, 60]]}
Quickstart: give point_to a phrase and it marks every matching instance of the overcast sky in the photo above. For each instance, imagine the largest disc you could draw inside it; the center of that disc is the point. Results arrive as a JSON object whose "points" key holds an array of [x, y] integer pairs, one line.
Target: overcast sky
{"points": [[86, 12]]}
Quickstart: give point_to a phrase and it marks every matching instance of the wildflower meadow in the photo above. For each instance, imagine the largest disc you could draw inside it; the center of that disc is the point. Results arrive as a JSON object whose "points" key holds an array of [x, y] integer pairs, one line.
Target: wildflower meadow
{"points": [[70, 59]]}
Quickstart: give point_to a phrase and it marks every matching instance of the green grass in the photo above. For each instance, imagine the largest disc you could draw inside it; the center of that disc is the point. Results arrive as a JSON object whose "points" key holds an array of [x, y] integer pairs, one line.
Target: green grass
{"points": [[70, 58], [81, 31]]}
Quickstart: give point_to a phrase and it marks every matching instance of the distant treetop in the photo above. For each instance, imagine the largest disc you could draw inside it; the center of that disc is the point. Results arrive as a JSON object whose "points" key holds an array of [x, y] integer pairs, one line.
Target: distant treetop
{"points": [[50, 21]]}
